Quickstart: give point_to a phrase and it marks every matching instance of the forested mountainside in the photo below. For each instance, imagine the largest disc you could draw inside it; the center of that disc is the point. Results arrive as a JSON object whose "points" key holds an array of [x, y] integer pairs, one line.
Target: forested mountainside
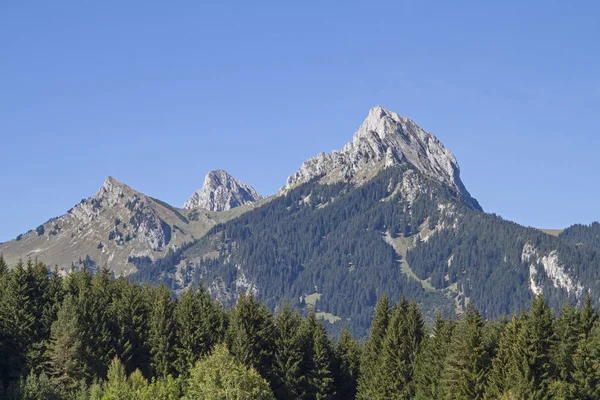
{"points": [[586, 235], [95, 337], [387, 213], [340, 247]]}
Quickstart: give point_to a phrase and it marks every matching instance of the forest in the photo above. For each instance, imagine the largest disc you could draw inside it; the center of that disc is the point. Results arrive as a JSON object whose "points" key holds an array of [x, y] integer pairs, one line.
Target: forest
{"points": [[91, 336]]}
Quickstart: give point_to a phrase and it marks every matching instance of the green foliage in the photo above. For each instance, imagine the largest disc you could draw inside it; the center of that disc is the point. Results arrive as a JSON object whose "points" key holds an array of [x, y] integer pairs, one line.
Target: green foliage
{"points": [[70, 326], [161, 335], [221, 376], [199, 324], [368, 386], [66, 354], [467, 362], [348, 354], [251, 335]]}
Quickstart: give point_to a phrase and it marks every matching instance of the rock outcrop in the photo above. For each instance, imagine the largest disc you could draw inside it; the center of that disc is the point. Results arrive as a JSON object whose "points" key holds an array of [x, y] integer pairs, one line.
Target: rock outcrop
{"points": [[383, 140], [222, 192]]}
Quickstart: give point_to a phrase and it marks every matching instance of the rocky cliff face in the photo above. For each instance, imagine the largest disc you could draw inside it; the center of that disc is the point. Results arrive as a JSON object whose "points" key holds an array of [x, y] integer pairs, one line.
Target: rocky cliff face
{"points": [[385, 139], [222, 192]]}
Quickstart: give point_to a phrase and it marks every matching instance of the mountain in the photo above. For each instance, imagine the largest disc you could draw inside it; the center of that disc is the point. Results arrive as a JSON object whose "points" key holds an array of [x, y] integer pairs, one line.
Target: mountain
{"points": [[116, 224], [385, 139], [222, 192], [388, 213]]}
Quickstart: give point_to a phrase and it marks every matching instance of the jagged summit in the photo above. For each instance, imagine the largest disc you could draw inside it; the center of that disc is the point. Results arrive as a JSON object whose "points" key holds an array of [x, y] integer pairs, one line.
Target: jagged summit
{"points": [[222, 192], [384, 139]]}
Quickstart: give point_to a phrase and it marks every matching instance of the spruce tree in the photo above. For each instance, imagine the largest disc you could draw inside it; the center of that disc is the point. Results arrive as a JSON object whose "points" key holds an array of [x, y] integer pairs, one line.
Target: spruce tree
{"points": [[589, 316], [348, 353], [400, 348], [198, 327], [568, 331], [251, 335], [430, 362], [464, 374], [367, 384], [586, 366], [65, 352], [161, 331], [131, 314], [290, 349], [19, 319], [322, 377]]}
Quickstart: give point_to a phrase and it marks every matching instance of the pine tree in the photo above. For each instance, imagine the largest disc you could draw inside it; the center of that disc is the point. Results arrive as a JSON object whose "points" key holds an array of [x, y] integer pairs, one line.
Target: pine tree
{"points": [[367, 384], [130, 328], [589, 316], [161, 336], [502, 376], [290, 346], [430, 362], [586, 366], [322, 377], [18, 307], [347, 353], [568, 331], [467, 362], [65, 353], [251, 335], [400, 348], [198, 327]]}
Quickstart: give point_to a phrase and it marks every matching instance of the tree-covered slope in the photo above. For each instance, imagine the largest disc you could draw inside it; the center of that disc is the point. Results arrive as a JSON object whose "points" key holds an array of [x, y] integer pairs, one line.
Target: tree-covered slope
{"points": [[340, 246]]}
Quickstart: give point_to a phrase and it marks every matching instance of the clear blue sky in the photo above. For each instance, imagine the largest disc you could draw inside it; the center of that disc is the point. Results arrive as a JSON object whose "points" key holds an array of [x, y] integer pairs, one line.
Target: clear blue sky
{"points": [[158, 93]]}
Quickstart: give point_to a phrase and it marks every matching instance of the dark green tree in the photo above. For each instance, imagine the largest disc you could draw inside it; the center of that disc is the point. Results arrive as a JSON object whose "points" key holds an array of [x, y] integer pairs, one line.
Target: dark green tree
{"points": [[198, 322], [464, 374], [347, 353], [65, 352], [430, 362], [367, 380], [290, 351], [251, 335], [161, 331], [322, 377]]}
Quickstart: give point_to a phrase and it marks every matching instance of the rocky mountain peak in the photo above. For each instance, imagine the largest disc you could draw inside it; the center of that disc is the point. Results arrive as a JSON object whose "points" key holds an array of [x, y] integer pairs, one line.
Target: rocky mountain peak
{"points": [[385, 139], [222, 192]]}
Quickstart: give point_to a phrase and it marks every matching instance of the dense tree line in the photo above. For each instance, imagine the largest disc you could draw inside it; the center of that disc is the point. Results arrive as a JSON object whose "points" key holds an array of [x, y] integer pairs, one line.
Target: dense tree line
{"points": [[90, 336]]}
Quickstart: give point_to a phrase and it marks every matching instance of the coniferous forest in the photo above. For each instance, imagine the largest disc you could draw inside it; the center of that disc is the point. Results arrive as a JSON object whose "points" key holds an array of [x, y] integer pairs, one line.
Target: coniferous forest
{"points": [[90, 336]]}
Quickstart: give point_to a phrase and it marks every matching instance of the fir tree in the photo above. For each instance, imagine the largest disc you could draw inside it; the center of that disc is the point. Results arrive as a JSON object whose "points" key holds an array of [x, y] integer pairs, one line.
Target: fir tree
{"points": [[65, 353], [198, 327], [467, 362], [322, 377], [367, 384], [251, 335], [348, 353], [161, 335], [290, 350], [19, 319], [130, 329], [430, 362]]}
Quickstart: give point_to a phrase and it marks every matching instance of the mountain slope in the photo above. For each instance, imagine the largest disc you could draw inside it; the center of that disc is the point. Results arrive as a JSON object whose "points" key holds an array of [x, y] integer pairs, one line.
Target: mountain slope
{"points": [[110, 227], [386, 214]]}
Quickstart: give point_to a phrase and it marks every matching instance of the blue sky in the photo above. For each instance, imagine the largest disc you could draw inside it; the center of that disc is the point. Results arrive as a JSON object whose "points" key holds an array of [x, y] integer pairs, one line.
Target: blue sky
{"points": [[159, 93]]}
